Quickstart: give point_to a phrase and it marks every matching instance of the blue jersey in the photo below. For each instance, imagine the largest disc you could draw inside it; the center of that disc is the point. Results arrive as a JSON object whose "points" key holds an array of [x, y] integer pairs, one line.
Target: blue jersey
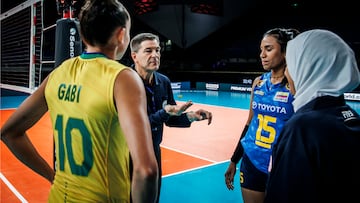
{"points": [[272, 107]]}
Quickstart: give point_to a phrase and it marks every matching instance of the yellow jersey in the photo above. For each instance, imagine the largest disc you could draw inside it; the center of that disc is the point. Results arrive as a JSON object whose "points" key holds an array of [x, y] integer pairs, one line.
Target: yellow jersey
{"points": [[92, 157]]}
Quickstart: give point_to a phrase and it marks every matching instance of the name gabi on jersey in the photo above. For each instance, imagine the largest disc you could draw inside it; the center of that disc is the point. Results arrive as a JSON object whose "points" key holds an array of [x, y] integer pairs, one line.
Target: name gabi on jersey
{"points": [[269, 108], [69, 92]]}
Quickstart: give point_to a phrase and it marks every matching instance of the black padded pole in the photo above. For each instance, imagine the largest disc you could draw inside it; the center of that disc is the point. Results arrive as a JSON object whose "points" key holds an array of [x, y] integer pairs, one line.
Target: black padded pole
{"points": [[67, 40]]}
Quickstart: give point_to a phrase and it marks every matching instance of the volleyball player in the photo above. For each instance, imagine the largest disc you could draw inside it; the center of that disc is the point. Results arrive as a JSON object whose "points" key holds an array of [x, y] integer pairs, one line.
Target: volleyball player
{"points": [[98, 112], [271, 107]]}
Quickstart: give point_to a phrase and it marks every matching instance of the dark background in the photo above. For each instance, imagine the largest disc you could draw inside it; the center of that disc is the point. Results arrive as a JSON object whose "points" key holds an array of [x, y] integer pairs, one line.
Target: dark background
{"points": [[226, 43]]}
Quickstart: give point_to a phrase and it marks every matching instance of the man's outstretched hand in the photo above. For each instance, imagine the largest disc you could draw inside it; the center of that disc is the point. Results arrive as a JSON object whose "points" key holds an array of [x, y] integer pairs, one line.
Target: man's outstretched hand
{"points": [[177, 110], [199, 115]]}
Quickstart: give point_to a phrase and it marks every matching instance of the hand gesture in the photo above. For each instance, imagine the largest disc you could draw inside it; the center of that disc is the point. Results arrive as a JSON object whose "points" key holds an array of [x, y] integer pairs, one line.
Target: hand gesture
{"points": [[199, 115], [177, 110]]}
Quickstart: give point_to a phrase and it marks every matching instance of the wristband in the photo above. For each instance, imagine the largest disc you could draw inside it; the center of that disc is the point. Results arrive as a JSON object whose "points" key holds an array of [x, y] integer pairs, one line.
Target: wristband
{"points": [[239, 150]]}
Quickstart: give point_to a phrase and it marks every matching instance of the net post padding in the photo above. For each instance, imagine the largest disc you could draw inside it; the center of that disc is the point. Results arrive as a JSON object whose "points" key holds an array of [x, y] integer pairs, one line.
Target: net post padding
{"points": [[67, 40]]}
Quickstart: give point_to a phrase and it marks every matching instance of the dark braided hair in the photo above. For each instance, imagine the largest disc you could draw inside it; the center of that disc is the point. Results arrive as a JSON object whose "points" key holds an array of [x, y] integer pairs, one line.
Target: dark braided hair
{"points": [[282, 35]]}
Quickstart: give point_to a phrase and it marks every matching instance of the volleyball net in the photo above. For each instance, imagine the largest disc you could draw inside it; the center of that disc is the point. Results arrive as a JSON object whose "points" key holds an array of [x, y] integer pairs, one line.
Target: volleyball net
{"points": [[30, 51], [21, 47]]}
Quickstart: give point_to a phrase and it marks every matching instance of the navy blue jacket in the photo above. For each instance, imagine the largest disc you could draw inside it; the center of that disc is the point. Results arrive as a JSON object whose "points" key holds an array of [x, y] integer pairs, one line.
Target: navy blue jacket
{"points": [[158, 95], [317, 155]]}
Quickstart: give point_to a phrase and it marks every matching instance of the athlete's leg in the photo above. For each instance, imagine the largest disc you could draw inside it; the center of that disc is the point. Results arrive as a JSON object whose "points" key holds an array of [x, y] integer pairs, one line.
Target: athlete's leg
{"points": [[252, 196]]}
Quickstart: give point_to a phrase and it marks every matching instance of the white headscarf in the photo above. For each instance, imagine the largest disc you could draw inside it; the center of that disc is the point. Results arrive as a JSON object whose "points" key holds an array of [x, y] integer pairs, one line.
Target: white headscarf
{"points": [[320, 63]]}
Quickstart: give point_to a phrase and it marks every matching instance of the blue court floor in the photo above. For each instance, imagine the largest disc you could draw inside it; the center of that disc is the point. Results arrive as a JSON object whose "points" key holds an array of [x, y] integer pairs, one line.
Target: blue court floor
{"points": [[206, 185]]}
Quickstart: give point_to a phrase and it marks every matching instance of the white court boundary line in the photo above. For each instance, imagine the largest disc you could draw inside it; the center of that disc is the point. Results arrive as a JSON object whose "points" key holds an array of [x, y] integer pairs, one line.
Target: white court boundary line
{"points": [[197, 168], [12, 188], [182, 152], [192, 169]]}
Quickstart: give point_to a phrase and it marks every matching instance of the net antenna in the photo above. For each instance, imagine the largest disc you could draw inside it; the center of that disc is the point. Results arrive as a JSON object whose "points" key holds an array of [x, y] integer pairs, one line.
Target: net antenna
{"points": [[65, 8]]}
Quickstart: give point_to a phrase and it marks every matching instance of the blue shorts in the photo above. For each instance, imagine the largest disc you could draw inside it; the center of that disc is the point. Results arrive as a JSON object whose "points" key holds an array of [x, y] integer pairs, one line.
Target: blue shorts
{"points": [[250, 177]]}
